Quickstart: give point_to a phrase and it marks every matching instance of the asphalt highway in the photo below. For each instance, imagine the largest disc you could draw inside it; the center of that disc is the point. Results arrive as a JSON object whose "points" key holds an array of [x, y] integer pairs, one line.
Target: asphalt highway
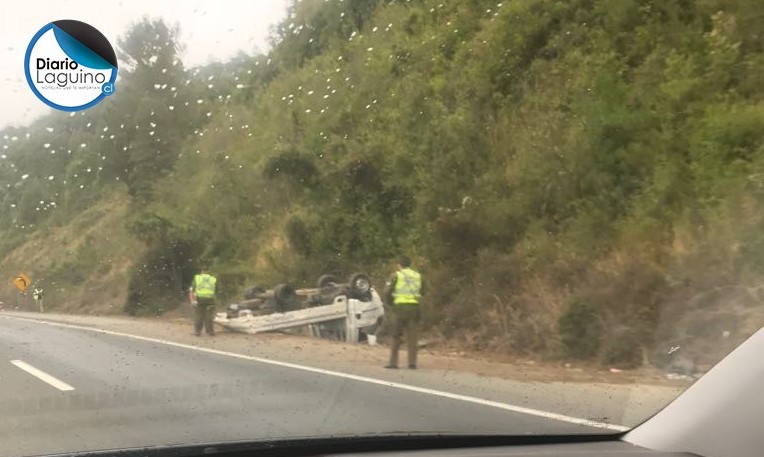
{"points": [[68, 389]]}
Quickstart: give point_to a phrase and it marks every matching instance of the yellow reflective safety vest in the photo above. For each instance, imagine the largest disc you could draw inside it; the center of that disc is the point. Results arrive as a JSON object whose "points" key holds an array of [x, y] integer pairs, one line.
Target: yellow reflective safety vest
{"points": [[204, 285], [408, 287]]}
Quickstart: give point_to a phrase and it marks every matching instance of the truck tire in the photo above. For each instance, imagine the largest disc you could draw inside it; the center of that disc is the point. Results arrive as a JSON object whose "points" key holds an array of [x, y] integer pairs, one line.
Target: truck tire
{"points": [[326, 281], [253, 292], [359, 287], [285, 296]]}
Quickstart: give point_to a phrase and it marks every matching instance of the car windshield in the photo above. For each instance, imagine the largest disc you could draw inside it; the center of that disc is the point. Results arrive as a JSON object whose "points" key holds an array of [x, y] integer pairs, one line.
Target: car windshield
{"points": [[227, 221]]}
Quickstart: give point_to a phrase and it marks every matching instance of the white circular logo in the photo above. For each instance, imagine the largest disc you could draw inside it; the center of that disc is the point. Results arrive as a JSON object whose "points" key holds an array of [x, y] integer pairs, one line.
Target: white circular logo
{"points": [[70, 65]]}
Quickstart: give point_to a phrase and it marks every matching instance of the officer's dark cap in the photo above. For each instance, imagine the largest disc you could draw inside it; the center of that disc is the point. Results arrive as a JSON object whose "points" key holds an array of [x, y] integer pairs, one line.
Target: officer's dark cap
{"points": [[404, 261]]}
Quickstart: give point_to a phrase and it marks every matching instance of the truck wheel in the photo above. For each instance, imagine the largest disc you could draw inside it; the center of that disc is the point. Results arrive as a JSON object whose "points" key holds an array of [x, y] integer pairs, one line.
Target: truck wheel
{"points": [[285, 295], [326, 281], [253, 292], [360, 287]]}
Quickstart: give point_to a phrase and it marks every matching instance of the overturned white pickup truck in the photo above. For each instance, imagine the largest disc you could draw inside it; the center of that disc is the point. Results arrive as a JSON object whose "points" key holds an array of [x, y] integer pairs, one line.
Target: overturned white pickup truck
{"points": [[349, 311]]}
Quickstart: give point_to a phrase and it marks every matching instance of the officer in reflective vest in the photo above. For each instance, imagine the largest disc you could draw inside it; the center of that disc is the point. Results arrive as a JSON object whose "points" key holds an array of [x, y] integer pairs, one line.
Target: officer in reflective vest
{"points": [[404, 290], [37, 295], [203, 297]]}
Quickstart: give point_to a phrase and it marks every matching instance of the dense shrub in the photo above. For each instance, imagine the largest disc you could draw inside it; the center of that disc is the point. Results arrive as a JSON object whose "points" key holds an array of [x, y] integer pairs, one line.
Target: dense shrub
{"points": [[580, 330]]}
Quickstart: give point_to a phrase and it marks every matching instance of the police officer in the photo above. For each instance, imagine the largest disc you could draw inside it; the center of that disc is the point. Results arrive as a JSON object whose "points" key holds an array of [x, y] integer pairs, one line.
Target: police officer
{"points": [[37, 295], [404, 290], [203, 298]]}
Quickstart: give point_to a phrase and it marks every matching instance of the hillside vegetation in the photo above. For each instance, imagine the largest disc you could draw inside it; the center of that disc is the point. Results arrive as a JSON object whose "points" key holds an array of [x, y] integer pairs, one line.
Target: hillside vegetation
{"points": [[579, 179]]}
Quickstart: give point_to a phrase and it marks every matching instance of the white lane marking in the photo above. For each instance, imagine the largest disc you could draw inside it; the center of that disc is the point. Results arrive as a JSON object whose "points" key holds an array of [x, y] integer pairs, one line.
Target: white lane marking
{"points": [[438, 393], [42, 376]]}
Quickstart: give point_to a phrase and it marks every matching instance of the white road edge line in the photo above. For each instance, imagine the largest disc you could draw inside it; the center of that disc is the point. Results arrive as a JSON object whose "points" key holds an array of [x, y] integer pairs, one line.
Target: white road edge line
{"points": [[42, 376], [453, 396]]}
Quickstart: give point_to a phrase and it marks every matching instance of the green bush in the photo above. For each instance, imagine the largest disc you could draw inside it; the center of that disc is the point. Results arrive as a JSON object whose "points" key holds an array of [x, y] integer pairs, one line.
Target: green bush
{"points": [[623, 348], [77, 268], [580, 330]]}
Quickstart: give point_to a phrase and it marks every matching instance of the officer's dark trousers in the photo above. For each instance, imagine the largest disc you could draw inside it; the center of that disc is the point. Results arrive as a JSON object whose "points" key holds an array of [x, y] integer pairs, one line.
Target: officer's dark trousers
{"points": [[205, 312], [406, 320]]}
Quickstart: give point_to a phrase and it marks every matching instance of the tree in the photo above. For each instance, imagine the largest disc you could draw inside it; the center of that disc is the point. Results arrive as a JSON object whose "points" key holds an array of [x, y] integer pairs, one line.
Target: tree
{"points": [[153, 78]]}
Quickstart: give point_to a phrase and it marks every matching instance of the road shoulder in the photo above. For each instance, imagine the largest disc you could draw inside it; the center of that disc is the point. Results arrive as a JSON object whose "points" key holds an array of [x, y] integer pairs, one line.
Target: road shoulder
{"points": [[620, 398]]}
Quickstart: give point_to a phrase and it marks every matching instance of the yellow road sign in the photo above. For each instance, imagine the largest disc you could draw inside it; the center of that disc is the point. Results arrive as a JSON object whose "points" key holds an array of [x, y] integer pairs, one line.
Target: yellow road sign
{"points": [[22, 281]]}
